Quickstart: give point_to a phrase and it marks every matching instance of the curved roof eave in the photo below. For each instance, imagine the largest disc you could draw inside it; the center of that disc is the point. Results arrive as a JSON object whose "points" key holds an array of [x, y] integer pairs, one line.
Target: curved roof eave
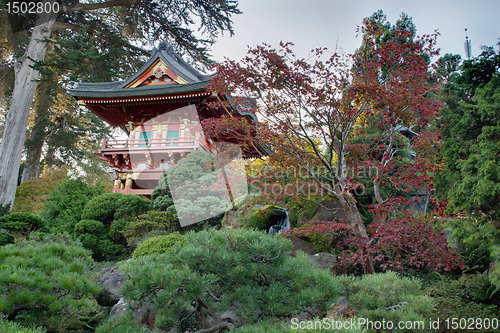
{"points": [[99, 90]]}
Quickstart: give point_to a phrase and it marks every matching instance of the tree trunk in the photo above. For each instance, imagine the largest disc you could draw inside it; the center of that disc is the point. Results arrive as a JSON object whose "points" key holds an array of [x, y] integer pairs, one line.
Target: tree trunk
{"points": [[33, 154], [358, 227], [34, 144], [22, 98]]}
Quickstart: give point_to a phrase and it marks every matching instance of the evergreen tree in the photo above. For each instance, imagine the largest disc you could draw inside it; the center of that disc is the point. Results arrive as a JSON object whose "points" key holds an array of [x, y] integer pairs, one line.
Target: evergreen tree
{"points": [[138, 21], [471, 136]]}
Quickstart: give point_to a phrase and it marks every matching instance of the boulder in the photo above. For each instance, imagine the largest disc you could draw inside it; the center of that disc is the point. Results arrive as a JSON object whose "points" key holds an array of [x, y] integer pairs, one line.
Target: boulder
{"points": [[118, 309], [341, 309], [332, 263], [449, 237], [301, 245], [333, 212], [111, 281], [145, 315], [324, 260]]}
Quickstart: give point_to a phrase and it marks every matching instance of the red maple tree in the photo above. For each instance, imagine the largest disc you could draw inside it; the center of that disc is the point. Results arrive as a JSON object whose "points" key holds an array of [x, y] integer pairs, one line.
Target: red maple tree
{"points": [[309, 109]]}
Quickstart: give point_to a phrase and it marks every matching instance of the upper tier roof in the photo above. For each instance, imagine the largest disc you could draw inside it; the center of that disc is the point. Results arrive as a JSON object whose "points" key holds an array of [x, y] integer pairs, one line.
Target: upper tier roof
{"points": [[164, 73]]}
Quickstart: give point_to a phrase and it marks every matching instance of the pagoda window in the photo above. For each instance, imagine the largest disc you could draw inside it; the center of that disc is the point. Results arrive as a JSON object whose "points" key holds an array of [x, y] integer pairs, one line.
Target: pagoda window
{"points": [[173, 135], [145, 136]]}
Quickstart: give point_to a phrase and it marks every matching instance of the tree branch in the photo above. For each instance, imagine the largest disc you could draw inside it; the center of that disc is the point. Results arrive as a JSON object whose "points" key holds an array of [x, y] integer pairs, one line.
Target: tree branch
{"points": [[63, 25], [93, 6]]}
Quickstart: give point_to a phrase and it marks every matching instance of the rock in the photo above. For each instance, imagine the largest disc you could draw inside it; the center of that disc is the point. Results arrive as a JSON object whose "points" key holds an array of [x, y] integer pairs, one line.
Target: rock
{"points": [[341, 309], [492, 266], [301, 245], [324, 260], [145, 315], [314, 311], [303, 316], [334, 211], [118, 309], [447, 232], [332, 263], [345, 267], [228, 316], [111, 282]]}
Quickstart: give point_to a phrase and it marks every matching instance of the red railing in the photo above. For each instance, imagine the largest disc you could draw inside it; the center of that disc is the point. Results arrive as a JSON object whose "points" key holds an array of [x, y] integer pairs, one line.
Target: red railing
{"points": [[150, 143]]}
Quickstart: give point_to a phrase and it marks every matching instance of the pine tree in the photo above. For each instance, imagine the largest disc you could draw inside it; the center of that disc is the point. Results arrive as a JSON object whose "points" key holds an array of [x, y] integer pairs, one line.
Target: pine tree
{"points": [[139, 20], [471, 134]]}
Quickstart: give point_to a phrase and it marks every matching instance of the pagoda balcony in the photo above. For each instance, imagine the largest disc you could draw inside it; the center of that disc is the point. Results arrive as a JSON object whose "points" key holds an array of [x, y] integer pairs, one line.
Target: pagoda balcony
{"points": [[131, 155], [146, 144]]}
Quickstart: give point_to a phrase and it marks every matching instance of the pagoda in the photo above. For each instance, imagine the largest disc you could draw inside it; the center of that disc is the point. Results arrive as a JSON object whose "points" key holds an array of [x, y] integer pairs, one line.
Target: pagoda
{"points": [[157, 108]]}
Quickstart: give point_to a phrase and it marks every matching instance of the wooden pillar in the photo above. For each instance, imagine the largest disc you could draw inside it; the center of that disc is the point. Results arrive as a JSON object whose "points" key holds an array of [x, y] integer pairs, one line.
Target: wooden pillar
{"points": [[116, 187], [128, 183]]}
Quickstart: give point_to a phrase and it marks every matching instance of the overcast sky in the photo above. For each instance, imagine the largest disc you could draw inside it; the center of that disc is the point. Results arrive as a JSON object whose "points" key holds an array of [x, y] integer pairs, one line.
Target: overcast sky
{"points": [[326, 23]]}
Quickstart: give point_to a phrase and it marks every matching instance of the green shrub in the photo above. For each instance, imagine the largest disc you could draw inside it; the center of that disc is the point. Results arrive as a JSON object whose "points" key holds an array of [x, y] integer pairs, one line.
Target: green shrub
{"points": [[44, 284], [372, 294], [21, 222], [117, 228], [162, 202], [159, 244], [137, 229], [4, 209], [246, 269], [280, 327], [10, 327], [31, 195], [110, 206], [123, 324], [64, 206], [464, 298], [94, 236], [475, 240], [131, 205], [102, 208], [6, 238]]}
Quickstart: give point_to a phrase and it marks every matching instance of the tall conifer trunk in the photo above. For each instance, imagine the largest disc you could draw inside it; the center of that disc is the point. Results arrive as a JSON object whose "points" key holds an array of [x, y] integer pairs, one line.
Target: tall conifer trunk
{"points": [[22, 97], [33, 146]]}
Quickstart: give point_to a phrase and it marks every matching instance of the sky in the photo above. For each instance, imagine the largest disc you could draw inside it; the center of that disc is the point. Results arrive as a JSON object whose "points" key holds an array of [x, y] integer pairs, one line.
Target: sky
{"points": [[311, 24]]}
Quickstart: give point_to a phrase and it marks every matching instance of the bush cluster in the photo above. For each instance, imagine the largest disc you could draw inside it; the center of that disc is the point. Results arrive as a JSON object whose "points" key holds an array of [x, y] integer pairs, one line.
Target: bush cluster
{"points": [[11, 327], [113, 206], [64, 206], [159, 244], [94, 236], [21, 223], [152, 222], [471, 296], [245, 270], [44, 284]]}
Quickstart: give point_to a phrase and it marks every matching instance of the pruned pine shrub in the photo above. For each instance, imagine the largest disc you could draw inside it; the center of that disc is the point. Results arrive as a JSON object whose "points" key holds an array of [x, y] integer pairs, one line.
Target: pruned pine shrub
{"points": [[123, 324], [112, 206], [390, 297], [21, 223], [471, 296], [137, 229], [94, 236], [11, 327], [44, 284], [6, 238], [159, 244], [244, 269], [64, 206]]}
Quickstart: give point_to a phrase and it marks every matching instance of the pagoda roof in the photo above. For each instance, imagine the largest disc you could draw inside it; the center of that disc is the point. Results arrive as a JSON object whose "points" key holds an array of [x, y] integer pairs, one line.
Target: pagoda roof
{"points": [[164, 73]]}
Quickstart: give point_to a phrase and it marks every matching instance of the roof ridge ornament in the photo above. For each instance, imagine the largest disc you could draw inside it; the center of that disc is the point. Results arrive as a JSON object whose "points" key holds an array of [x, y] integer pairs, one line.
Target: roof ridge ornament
{"points": [[165, 46]]}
